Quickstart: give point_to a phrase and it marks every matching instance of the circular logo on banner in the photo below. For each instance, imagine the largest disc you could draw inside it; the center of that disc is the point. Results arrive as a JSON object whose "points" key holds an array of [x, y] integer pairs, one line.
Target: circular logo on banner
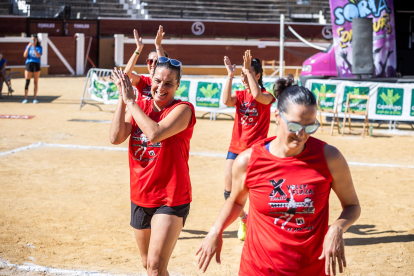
{"points": [[198, 28], [327, 32]]}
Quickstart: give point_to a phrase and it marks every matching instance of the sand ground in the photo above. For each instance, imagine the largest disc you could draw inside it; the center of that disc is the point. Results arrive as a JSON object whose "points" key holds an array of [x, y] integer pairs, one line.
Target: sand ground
{"points": [[69, 208]]}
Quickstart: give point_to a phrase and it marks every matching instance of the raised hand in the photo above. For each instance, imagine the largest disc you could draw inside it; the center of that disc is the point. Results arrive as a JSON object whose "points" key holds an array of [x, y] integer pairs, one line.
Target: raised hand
{"points": [[159, 37], [231, 69], [333, 250], [116, 79], [211, 245], [138, 41], [247, 58], [128, 93]]}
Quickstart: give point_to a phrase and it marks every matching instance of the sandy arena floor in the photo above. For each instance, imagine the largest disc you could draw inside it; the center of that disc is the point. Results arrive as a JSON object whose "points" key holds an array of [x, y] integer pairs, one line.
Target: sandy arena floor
{"points": [[69, 208]]}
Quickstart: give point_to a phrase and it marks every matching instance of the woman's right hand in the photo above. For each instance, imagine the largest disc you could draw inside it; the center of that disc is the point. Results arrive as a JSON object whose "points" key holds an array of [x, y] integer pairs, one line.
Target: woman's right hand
{"points": [[138, 41], [117, 81], [231, 69], [211, 245]]}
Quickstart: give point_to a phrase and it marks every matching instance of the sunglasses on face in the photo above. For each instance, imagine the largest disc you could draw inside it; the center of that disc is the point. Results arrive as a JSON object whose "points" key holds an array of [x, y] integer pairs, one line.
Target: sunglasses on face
{"points": [[295, 127], [151, 61]]}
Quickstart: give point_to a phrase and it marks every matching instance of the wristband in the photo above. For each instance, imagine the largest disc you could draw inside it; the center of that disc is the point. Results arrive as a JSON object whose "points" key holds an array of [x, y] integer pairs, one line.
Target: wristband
{"points": [[230, 78], [136, 52]]}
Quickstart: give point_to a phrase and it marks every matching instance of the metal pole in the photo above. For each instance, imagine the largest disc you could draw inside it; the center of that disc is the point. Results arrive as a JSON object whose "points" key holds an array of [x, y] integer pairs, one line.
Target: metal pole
{"points": [[282, 34]]}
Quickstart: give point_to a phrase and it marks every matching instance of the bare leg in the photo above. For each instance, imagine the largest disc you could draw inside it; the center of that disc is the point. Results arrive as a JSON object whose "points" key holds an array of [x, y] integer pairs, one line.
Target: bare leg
{"points": [[27, 76], [164, 235], [142, 236], [228, 177], [36, 80]]}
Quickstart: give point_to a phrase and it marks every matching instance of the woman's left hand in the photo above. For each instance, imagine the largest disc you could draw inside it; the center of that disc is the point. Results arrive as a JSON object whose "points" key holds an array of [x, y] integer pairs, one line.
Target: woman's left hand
{"points": [[159, 37], [333, 250], [247, 58], [128, 93]]}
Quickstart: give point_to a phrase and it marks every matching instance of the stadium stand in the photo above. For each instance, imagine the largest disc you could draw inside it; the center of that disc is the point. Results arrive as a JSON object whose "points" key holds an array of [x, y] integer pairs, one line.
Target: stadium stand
{"points": [[243, 10]]}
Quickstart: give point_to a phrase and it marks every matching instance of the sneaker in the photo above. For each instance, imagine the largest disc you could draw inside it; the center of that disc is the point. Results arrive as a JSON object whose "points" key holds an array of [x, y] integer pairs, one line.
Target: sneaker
{"points": [[241, 234], [11, 90], [24, 101], [35, 101]]}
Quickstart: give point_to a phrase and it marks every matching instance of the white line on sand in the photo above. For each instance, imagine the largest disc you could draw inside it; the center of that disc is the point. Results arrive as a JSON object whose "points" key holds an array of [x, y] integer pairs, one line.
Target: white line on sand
{"points": [[206, 154], [29, 267]]}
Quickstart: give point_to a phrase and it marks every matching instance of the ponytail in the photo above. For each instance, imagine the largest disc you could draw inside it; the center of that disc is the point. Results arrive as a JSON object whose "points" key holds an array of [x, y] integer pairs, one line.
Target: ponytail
{"points": [[258, 69], [285, 93]]}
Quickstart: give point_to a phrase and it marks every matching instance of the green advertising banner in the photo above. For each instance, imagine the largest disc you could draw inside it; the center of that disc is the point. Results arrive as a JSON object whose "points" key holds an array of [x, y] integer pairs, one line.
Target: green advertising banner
{"points": [[412, 103], [102, 90], [389, 101], [326, 103], [208, 94], [237, 87], [182, 91], [355, 104]]}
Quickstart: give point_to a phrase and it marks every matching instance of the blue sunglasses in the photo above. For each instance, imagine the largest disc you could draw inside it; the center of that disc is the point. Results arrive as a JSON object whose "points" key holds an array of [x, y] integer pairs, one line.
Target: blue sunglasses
{"points": [[173, 62]]}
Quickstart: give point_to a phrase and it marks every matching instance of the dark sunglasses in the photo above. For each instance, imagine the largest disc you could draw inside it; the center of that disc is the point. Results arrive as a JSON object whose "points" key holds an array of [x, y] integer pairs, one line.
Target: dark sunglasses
{"points": [[151, 61], [173, 62], [295, 127]]}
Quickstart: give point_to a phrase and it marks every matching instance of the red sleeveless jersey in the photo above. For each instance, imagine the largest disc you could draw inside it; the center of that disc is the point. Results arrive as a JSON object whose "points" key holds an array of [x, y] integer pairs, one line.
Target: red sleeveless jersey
{"points": [[288, 213], [144, 88], [159, 173], [251, 123]]}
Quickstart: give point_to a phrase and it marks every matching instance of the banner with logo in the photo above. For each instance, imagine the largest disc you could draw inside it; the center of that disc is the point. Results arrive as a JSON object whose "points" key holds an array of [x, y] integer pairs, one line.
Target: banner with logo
{"points": [[384, 47], [206, 94], [388, 101]]}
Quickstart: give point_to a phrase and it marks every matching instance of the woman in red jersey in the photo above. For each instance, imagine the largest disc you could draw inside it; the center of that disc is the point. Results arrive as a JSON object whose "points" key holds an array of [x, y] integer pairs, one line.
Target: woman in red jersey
{"points": [[288, 179], [141, 82], [160, 130], [252, 120]]}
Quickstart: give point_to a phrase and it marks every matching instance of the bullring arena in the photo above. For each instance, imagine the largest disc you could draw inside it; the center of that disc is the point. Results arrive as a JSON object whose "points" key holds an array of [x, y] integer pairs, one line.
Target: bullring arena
{"points": [[64, 204]]}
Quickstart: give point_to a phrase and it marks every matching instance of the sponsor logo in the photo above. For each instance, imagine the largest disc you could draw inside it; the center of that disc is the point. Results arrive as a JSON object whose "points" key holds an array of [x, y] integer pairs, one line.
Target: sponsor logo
{"points": [[327, 32], [198, 28], [182, 91], [412, 103], [354, 9], [389, 101], [208, 94], [326, 103], [355, 104]]}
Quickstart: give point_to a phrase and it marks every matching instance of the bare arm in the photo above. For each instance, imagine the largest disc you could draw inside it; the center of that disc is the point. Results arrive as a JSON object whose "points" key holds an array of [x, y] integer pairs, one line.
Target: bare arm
{"points": [[158, 40], [121, 124], [26, 52], [342, 185], [258, 95], [229, 99], [176, 121], [133, 60], [229, 213]]}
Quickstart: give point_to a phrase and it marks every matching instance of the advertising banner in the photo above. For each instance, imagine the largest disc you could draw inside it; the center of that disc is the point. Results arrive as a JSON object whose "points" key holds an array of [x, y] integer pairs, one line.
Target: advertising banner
{"points": [[387, 101], [326, 103], [204, 93], [384, 47]]}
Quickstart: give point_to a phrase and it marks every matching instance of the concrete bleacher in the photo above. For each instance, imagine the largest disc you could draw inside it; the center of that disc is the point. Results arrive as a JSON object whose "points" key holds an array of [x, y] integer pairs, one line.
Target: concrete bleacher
{"points": [[269, 10], [240, 10], [83, 9], [6, 7]]}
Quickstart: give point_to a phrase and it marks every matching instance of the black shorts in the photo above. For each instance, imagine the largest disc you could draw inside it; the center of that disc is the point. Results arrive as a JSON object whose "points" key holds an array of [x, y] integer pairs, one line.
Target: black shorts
{"points": [[141, 216], [33, 67]]}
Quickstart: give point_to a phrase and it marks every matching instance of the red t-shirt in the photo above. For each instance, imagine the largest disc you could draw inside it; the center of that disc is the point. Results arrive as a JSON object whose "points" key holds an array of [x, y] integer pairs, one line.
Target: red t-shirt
{"points": [[251, 123], [144, 88], [288, 212], [159, 173]]}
